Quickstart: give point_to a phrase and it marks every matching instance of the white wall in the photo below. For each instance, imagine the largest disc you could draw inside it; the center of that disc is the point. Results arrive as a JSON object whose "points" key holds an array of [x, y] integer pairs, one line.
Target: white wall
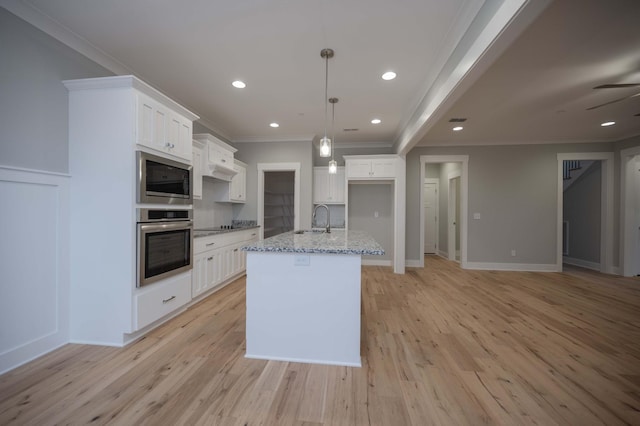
{"points": [[34, 265]]}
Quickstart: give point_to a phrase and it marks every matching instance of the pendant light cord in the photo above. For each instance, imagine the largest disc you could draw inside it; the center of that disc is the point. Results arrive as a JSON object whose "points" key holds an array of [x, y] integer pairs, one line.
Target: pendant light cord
{"points": [[326, 89], [333, 127]]}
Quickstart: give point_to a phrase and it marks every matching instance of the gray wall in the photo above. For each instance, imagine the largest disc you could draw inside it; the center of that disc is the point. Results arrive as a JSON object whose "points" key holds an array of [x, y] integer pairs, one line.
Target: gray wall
{"points": [[515, 190], [275, 152], [364, 200], [581, 208], [34, 116]]}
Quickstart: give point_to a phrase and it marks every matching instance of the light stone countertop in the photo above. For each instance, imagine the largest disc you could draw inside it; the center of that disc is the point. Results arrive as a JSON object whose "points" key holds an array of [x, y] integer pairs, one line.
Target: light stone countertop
{"points": [[339, 241], [205, 232]]}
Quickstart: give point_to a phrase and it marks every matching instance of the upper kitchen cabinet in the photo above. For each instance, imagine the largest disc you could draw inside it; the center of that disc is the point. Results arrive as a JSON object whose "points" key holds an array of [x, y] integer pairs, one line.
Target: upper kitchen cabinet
{"points": [[162, 128], [370, 167], [198, 166], [328, 188], [220, 164], [236, 190]]}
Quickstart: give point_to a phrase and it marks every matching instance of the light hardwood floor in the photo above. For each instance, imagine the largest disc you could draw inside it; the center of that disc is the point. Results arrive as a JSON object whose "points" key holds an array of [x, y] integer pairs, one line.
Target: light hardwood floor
{"points": [[440, 346]]}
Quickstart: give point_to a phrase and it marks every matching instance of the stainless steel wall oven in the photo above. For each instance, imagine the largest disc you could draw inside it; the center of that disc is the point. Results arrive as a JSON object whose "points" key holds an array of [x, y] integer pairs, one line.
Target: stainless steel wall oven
{"points": [[164, 244], [163, 181]]}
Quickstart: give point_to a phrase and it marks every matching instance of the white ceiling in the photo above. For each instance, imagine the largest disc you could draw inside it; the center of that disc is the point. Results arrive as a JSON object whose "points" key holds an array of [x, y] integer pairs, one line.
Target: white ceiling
{"points": [[193, 50], [539, 90]]}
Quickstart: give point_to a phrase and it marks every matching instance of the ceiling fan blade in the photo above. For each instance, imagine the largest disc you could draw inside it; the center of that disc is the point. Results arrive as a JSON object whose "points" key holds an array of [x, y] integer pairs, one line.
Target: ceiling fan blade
{"points": [[617, 86], [613, 101]]}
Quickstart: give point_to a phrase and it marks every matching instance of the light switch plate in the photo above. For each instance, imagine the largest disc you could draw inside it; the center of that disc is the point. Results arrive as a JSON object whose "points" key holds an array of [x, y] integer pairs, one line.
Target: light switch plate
{"points": [[476, 216]]}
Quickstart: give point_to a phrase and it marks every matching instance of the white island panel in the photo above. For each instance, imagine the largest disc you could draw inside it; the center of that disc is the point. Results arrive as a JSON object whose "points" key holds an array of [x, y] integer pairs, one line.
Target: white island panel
{"points": [[304, 307]]}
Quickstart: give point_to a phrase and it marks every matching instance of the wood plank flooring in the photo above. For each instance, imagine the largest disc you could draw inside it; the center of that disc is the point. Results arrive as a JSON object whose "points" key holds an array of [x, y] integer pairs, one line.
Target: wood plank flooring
{"points": [[440, 346]]}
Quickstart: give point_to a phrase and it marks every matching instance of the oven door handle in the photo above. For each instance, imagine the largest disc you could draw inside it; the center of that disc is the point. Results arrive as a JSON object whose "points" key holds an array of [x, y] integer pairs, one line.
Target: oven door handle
{"points": [[166, 226]]}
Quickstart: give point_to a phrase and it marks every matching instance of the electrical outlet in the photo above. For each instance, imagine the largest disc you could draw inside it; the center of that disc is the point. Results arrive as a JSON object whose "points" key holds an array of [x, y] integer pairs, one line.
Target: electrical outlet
{"points": [[476, 216], [375, 214], [513, 252], [301, 260]]}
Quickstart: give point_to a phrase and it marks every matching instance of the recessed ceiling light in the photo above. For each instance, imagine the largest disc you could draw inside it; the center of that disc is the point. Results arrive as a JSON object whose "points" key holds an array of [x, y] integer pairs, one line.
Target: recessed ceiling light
{"points": [[274, 125], [239, 84], [457, 128], [608, 123], [376, 121], [389, 75]]}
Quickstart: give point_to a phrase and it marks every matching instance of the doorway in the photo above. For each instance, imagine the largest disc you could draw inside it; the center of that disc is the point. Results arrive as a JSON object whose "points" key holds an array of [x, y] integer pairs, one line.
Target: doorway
{"points": [[451, 170], [606, 206], [431, 213], [453, 216], [630, 206], [582, 206], [278, 198]]}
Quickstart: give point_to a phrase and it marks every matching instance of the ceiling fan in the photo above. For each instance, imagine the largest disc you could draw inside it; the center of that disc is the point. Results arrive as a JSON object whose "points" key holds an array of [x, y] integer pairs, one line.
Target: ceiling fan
{"points": [[615, 86]]}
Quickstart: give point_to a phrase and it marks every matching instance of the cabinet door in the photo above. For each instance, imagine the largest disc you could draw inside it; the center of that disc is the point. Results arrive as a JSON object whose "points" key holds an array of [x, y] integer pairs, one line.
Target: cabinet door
{"points": [[214, 272], [359, 168], [321, 185], [198, 278], [145, 117], [197, 172], [383, 168], [337, 183], [238, 185]]}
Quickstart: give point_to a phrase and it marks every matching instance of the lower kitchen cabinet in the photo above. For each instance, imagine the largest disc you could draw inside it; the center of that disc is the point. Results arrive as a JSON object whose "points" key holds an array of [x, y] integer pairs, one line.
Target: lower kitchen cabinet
{"points": [[218, 259], [161, 299]]}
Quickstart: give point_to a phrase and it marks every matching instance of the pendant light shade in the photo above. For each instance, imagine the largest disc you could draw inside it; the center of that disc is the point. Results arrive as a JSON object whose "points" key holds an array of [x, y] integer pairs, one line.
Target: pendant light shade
{"points": [[325, 142], [333, 164]]}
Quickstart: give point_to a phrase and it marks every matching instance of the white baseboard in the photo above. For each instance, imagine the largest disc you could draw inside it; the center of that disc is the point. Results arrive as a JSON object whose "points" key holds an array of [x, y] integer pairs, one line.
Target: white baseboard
{"points": [[581, 263], [443, 253], [522, 267], [372, 262]]}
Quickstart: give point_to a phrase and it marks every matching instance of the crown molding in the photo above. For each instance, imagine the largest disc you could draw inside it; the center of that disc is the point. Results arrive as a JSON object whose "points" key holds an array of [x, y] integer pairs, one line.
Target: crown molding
{"points": [[299, 138]]}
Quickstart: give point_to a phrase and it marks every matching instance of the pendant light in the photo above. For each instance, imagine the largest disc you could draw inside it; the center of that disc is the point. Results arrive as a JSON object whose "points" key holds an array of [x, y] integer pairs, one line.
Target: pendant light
{"points": [[333, 164], [325, 142]]}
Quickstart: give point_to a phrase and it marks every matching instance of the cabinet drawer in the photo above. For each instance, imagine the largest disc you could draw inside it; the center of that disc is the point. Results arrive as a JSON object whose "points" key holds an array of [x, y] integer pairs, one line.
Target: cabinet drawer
{"points": [[161, 299]]}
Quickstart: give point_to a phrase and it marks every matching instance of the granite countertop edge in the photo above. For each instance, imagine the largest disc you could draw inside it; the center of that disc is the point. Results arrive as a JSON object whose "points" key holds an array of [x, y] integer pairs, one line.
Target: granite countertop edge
{"points": [[352, 243], [199, 233]]}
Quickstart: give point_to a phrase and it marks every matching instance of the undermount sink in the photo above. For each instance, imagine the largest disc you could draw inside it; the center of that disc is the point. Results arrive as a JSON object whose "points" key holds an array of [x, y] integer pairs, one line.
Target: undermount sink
{"points": [[309, 231]]}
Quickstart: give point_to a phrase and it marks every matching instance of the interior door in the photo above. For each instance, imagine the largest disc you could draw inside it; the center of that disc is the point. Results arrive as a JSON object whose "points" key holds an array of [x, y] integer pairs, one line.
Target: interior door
{"points": [[452, 215], [430, 217]]}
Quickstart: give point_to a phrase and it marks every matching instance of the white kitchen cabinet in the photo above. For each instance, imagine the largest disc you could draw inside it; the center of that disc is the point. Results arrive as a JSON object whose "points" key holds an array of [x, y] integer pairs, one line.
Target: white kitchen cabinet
{"points": [[238, 185], [381, 167], [218, 259], [197, 160], [328, 188], [236, 190], [162, 129], [110, 119], [219, 157], [161, 299]]}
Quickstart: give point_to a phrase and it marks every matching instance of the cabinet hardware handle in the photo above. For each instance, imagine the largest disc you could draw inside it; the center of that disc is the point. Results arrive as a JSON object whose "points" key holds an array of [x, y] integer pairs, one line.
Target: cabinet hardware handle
{"points": [[168, 300], [210, 258], [253, 235], [236, 250], [210, 244], [224, 161]]}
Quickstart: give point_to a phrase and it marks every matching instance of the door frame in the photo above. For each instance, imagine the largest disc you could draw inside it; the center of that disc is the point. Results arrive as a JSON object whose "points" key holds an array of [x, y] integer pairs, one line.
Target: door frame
{"points": [[278, 167], [464, 195], [437, 182], [451, 214], [606, 207], [629, 191]]}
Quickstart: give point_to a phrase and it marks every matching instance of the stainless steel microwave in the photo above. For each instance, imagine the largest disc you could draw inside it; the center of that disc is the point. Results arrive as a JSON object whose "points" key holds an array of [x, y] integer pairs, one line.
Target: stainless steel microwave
{"points": [[163, 181]]}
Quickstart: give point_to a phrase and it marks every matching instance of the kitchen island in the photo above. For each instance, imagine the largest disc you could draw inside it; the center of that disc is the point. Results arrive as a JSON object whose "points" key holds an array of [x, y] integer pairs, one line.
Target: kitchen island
{"points": [[303, 296]]}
